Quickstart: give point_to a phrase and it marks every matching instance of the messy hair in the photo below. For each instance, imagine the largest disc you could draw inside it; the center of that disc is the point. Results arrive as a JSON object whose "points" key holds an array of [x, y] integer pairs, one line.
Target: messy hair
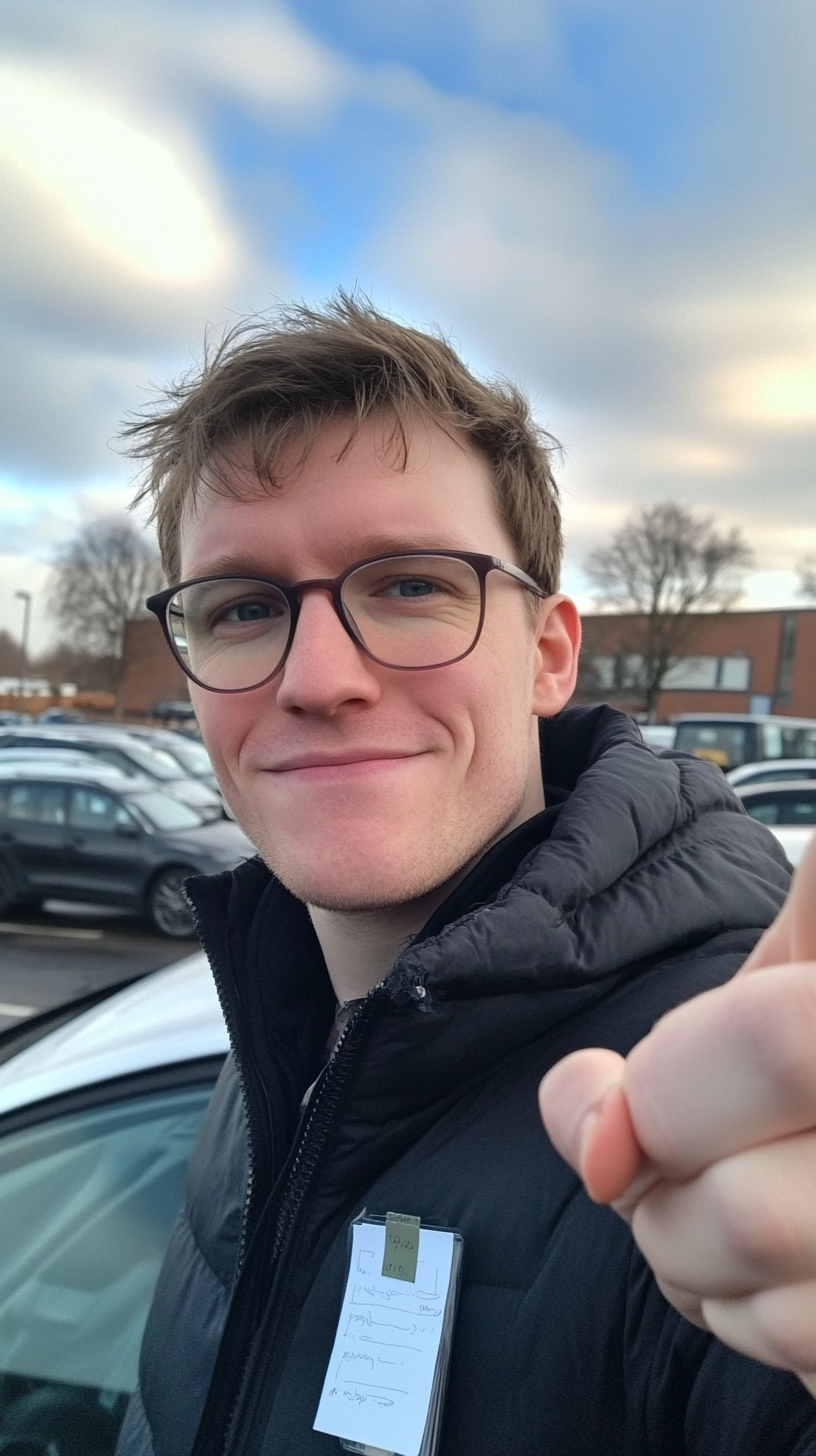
{"points": [[273, 383]]}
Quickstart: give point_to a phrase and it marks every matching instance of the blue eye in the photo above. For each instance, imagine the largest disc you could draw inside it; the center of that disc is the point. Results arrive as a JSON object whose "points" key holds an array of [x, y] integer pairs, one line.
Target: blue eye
{"points": [[247, 612], [411, 587]]}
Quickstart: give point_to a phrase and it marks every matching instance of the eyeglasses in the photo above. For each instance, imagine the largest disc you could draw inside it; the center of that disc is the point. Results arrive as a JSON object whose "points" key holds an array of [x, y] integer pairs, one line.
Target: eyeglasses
{"points": [[410, 611]]}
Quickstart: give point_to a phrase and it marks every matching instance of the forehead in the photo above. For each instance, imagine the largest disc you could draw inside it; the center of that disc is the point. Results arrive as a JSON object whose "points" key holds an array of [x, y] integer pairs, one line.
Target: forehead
{"points": [[342, 501]]}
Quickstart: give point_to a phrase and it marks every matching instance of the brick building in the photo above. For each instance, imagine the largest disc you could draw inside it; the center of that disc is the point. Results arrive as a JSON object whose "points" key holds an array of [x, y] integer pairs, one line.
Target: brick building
{"points": [[736, 662], [151, 674], [739, 662]]}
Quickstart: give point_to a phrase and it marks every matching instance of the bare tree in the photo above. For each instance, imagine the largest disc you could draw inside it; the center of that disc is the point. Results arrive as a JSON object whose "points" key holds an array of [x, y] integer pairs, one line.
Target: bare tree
{"points": [[99, 582], [663, 566], [806, 571], [9, 654]]}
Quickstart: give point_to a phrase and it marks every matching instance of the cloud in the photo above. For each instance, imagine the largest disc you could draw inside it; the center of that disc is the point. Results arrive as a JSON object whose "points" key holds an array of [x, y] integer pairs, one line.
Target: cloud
{"points": [[671, 348], [665, 331], [106, 226]]}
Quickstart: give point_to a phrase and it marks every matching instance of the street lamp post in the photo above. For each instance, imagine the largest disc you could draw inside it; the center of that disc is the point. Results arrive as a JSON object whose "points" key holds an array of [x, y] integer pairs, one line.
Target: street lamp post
{"points": [[25, 597]]}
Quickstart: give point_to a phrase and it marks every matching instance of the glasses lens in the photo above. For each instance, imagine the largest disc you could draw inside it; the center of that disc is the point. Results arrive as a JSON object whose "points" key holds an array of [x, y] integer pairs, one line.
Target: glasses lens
{"points": [[231, 634], [415, 611]]}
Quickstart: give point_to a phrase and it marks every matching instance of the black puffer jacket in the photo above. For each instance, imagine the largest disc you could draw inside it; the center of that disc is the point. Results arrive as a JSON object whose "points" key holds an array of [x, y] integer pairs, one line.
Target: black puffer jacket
{"points": [[647, 885]]}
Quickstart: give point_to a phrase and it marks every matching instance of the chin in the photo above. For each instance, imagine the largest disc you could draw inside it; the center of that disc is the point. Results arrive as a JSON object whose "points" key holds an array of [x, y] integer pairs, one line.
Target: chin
{"points": [[345, 884]]}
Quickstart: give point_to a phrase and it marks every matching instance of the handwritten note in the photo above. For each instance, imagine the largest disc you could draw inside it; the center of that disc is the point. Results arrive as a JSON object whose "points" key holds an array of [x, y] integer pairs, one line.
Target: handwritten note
{"points": [[378, 1385]]}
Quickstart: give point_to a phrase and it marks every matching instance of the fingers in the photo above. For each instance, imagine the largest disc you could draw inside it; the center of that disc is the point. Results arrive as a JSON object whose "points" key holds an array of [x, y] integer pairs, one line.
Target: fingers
{"points": [[776, 1326], [743, 1225], [726, 1071], [586, 1114]]}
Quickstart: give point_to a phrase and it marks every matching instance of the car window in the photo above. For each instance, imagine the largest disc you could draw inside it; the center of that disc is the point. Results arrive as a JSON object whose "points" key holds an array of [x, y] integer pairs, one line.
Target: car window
{"points": [[766, 811], [725, 744], [94, 809], [153, 761], [87, 1202], [798, 808], [799, 742], [784, 807], [35, 803], [166, 814], [191, 756]]}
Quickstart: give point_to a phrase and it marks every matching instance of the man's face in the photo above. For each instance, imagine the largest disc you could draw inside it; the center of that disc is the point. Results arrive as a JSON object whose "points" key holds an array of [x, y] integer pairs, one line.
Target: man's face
{"points": [[363, 786]]}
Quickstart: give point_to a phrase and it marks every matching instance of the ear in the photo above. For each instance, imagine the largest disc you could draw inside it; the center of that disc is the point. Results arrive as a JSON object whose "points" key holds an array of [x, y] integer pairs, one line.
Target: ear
{"points": [[558, 641]]}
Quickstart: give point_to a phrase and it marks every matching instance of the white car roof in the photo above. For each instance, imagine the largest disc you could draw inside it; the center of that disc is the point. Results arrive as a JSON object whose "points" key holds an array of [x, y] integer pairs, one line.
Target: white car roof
{"points": [[170, 1016], [770, 765]]}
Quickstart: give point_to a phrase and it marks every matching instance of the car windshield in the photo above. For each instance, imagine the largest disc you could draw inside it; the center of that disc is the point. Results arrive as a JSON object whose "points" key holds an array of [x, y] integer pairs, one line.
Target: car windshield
{"points": [[725, 744], [166, 814], [154, 761], [191, 756], [87, 1202]]}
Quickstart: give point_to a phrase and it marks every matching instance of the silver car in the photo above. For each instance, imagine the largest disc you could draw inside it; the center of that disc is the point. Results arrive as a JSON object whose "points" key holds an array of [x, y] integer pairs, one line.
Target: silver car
{"points": [[100, 1105]]}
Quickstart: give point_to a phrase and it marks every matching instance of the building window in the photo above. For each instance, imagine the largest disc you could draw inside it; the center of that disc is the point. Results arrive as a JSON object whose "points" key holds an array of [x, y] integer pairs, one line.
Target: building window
{"points": [[687, 674]]}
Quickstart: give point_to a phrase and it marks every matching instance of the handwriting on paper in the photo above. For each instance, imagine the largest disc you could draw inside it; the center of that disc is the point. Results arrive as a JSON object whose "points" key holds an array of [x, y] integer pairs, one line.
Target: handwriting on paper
{"points": [[379, 1380]]}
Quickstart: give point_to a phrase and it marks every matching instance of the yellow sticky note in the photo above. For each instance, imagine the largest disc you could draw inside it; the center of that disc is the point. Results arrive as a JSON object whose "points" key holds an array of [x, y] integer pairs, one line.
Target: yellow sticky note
{"points": [[401, 1247]]}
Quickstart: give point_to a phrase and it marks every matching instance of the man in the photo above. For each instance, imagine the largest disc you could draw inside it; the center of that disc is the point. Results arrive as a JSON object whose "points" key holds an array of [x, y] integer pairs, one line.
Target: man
{"points": [[459, 883]]}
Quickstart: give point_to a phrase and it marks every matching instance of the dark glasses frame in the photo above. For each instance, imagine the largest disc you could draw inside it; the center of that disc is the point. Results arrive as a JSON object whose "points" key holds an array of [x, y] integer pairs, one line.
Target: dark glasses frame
{"points": [[482, 565]]}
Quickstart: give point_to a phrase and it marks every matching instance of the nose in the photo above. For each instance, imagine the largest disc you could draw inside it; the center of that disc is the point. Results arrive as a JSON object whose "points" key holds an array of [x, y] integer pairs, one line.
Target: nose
{"points": [[325, 671]]}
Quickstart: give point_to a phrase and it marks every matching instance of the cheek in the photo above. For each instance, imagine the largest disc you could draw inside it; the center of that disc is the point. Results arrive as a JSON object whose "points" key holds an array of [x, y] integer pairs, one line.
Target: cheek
{"points": [[224, 723]]}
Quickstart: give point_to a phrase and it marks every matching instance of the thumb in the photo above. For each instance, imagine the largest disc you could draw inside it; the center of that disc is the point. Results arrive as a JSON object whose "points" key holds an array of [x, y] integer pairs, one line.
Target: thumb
{"points": [[584, 1109]]}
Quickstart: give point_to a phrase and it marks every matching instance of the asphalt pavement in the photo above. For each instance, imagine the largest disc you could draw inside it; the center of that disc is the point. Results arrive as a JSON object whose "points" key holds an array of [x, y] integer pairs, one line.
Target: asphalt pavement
{"points": [[51, 956]]}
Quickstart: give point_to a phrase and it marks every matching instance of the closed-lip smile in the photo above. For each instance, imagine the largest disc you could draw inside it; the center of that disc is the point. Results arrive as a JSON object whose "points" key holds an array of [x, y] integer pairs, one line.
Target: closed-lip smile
{"points": [[342, 758]]}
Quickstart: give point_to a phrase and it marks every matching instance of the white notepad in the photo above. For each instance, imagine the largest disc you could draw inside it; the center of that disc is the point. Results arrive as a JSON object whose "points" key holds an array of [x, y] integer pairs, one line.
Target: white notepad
{"points": [[386, 1373]]}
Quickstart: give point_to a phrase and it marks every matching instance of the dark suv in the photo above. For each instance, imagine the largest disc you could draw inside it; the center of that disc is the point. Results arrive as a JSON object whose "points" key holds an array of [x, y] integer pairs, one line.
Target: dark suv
{"points": [[89, 834]]}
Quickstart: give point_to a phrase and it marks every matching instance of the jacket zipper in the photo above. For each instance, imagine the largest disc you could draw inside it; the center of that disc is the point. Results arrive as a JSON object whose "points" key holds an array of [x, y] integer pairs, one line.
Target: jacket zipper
{"points": [[259, 1381], [224, 1425]]}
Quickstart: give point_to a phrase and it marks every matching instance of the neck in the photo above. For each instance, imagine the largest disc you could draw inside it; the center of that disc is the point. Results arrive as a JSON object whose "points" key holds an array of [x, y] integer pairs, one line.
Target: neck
{"points": [[360, 946]]}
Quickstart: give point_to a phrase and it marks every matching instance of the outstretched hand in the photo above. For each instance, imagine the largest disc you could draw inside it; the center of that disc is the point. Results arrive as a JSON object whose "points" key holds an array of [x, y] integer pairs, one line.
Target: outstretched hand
{"points": [[704, 1139]]}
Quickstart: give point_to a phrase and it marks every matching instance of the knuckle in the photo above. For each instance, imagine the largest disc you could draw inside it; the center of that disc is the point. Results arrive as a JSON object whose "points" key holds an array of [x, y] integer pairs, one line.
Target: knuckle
{"points": [[785, 1322], [759, 1224], [777, 1012]]}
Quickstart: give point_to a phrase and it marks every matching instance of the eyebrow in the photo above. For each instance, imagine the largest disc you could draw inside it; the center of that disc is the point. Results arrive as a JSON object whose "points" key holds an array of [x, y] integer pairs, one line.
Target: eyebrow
{"points": [[360, 550]]}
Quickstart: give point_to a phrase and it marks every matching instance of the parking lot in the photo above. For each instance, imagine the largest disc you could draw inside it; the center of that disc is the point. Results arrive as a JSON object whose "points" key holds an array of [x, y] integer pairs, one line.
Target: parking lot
{"points": [[51, 956]]}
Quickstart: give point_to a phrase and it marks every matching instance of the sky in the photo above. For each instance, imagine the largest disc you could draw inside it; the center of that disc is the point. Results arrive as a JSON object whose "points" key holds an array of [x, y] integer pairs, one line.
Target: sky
{"points": [[612, 202]]}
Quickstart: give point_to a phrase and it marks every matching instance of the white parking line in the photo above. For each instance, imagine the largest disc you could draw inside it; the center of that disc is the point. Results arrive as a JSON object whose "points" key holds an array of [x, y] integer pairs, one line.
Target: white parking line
{"points": [[59, 932], [8, 1008]]}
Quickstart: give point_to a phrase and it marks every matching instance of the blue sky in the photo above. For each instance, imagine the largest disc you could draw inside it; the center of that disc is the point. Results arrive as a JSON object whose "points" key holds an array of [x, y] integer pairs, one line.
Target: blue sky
{"points": [[612, 201]]}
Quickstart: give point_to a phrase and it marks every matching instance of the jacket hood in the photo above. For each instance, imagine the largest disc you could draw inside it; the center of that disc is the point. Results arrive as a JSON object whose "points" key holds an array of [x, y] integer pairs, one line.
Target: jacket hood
{"points": [[625, 877]]}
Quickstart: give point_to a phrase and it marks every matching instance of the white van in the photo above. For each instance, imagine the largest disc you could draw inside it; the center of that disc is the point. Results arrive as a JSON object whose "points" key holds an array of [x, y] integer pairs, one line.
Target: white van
{"points": [[731, 739]]}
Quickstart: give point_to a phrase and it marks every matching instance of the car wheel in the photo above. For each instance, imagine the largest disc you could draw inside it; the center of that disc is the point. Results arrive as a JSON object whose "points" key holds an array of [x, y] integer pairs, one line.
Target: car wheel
{"points": [[167, 910]]}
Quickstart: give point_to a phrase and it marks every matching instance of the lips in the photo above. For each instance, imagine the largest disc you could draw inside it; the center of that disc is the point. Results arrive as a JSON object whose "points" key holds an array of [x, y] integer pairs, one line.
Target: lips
{"points": [[347, 758]]}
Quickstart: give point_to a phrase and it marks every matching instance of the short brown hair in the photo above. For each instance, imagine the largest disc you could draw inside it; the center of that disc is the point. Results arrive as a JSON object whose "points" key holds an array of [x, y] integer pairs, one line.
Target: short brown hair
{"points": [[276, 382]]}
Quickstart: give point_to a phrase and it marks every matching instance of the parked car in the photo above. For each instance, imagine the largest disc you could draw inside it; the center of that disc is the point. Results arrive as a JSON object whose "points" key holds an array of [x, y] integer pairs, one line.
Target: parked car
{"points": [[9, 717], [117, 747], [100, 1105], [784, 769], [189, 753], [61, 715], [788, 809], [732, 739], [90, 835]]}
